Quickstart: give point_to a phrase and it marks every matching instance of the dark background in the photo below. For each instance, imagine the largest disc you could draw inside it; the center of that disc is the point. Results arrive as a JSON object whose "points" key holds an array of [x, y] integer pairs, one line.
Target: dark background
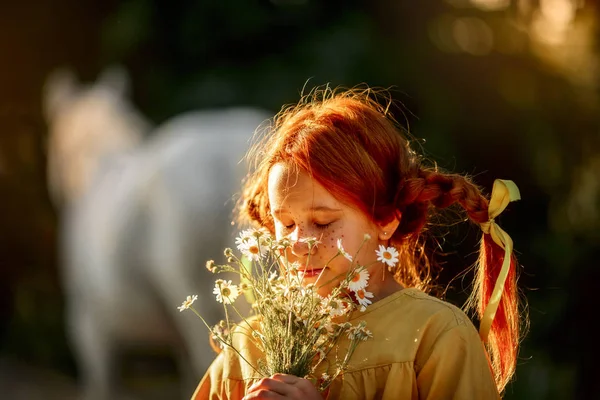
{"points": [[496, 88]]}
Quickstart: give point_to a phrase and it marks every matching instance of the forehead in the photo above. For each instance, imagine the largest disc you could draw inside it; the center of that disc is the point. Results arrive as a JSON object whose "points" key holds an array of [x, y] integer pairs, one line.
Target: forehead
{"points": [[292, 187]]}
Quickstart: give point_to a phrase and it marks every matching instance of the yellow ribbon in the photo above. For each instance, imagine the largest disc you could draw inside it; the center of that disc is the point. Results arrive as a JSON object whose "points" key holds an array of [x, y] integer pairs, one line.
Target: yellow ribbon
{"points": [[503, 192]]}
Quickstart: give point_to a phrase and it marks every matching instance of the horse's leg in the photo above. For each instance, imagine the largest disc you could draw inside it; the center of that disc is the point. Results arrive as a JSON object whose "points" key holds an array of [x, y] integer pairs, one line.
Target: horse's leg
{"points": [[94, 352], [176, 272], [90, 335]]}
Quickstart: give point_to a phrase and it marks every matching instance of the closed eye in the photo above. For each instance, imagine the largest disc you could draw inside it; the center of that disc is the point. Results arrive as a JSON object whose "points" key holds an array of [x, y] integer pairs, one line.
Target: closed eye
{"points": [[317, 225], [323, 226]]}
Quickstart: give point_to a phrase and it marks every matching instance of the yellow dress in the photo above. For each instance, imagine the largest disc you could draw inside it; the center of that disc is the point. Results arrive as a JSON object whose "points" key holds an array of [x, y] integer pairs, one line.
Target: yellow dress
{"points": [[422, 348]]}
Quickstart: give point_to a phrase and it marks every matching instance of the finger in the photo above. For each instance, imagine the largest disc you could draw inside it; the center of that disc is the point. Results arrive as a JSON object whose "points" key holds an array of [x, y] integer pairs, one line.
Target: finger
{"points": [[304, 386], [285, 378], [263, 394], [263, 382], [276, 386], [254, 386]]}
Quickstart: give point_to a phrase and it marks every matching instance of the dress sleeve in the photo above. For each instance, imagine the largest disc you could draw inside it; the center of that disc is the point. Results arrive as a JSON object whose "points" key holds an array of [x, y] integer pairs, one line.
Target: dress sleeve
{"points": [[214, 386], [456, 367]]}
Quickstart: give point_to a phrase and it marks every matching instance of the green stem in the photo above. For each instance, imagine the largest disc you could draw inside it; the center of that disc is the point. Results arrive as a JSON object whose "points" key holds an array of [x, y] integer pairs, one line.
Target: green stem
{"points": [[225, 343]]}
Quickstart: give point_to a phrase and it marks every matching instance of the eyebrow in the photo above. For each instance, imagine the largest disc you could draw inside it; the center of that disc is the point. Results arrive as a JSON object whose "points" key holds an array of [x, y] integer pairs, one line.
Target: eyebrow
{"points": [[322, 209]]}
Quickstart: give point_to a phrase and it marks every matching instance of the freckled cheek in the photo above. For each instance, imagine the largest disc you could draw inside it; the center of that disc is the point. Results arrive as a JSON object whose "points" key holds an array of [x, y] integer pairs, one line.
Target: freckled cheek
{"points": [[329, 240]]}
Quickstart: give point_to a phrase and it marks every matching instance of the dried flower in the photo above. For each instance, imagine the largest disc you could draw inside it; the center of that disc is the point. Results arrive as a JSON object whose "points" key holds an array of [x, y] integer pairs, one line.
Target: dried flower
{"points": [[220, 334], [210, 265]]}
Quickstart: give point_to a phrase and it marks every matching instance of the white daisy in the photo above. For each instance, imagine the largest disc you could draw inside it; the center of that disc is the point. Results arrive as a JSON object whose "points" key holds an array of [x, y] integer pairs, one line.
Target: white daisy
{"points": [[187, 303], [243, 237], [252, 249], [359, 332], [261, 232], [294, 272], [359, 280], [387, 255], [291, 290], [342, 251], [283, 243], [225, 291], [273, 277], [312, 241], [363, 297], [333, 306], [367, 334]]}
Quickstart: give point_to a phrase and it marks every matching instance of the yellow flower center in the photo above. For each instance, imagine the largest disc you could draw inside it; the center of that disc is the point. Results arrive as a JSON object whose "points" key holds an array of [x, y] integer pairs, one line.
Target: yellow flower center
{"points": [[387, 255], [253, 249], [226, 292], [360, 294], [356, 277]]}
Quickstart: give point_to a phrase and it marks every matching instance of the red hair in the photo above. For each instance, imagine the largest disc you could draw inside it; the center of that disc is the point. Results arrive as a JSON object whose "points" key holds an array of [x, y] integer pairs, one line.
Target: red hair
{"points": [[348, 142]]}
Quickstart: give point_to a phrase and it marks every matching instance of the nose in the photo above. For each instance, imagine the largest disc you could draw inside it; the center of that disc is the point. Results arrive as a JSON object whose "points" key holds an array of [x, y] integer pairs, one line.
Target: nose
{"points": [[300, 247]]}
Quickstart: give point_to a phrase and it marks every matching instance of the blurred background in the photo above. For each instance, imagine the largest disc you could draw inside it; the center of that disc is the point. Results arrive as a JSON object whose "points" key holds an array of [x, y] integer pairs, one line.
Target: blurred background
{"points": [[493, 88]]}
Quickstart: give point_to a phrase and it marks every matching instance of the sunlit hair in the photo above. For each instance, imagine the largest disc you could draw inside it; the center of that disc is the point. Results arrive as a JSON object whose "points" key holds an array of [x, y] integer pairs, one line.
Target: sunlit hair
{"points": [[347, 141]]}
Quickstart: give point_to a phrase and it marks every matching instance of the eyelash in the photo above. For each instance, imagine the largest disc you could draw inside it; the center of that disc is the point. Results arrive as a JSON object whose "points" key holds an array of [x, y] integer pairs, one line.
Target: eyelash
{"points": [[319, 226], [323, 226]]}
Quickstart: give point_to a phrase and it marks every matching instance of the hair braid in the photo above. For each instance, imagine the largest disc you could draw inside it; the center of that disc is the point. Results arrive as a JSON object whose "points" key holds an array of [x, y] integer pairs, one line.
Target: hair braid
{"points": [[432, 188]]}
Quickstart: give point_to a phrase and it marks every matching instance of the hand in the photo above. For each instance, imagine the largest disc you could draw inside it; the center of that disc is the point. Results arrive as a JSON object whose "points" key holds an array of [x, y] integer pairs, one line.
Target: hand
{"points": [[281, 386]]}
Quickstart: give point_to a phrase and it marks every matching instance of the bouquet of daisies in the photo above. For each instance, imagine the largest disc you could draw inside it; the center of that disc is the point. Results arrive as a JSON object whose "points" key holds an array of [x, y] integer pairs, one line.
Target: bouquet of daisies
{"points": [[297, 328]]}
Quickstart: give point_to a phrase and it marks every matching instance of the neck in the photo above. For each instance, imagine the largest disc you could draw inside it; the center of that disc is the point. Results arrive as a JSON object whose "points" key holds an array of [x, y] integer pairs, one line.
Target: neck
{"points": [[383, 284]]}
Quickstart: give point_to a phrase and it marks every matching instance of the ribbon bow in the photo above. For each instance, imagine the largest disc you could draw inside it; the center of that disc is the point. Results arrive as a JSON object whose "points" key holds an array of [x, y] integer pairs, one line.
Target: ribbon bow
{"points": [[503, 192]]}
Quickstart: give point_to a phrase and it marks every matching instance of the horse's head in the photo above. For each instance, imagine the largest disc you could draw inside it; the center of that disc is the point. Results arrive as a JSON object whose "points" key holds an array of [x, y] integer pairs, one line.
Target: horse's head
{"points": [[86, 123]]}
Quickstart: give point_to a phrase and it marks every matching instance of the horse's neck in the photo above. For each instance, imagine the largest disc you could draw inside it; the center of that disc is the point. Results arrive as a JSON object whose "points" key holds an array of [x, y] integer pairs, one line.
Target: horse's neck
{"points": [[107, 153]]}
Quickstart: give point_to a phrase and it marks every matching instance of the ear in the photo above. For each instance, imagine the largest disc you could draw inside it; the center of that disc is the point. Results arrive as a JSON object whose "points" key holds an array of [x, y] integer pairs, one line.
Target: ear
{"points": [[116, 78], [386, 231], [59, 89]]}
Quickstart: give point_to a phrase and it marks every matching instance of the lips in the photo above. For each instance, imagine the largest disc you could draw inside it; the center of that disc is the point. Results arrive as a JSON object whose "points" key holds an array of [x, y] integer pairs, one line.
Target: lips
{"points": [[311, 272]]}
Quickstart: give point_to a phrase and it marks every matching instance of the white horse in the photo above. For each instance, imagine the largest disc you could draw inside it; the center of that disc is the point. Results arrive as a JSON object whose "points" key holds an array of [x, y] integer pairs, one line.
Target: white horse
{"points": [[139, 220]]}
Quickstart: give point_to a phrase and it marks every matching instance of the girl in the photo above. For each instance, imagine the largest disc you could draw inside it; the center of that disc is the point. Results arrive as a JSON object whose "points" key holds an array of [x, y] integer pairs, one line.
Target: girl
{"points": [[336, 166]]}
